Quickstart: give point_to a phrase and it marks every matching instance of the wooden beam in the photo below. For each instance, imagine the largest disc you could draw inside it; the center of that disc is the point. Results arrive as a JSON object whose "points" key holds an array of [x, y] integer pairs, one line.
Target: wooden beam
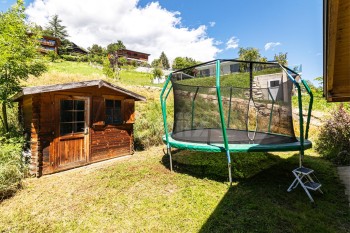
{"points": [[332, 19]]}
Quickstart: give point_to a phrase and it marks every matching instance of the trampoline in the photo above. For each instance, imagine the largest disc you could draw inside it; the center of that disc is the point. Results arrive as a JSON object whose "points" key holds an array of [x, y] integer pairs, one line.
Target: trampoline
{"points": [[236, 106]]}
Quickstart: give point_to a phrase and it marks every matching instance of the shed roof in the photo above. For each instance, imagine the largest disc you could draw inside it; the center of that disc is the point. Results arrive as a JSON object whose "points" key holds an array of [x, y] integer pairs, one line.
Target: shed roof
{"points": [[68, 86], [336, 52]]}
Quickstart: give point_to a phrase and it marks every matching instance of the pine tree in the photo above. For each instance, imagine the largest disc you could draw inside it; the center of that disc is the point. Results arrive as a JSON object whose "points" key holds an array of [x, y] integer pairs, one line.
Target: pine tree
{"points": [[56, 29], [164, 61]]}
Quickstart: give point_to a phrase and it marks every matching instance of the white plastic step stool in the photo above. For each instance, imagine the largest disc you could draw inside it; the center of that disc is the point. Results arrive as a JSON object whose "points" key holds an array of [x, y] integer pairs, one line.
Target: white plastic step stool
{"points": [[303, 177]]}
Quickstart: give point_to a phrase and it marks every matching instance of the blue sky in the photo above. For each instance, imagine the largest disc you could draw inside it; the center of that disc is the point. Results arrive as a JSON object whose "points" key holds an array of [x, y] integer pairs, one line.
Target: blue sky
{"points": [[295, 26]]}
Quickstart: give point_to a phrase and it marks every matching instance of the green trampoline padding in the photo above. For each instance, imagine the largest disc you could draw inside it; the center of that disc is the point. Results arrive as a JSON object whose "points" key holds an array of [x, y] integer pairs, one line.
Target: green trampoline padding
{"points": [[292, 146]]}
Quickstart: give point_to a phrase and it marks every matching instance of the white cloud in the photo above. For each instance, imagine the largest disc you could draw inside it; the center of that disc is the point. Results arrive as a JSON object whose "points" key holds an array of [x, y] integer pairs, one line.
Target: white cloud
{"points": [[212, 24], [218, 42], [271, 45], [150, 29], [232, 43]]}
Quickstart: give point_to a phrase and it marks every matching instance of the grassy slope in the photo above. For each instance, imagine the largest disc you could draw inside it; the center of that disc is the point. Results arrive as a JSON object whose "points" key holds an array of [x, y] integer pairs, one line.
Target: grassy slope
{"points": [[64, 72], [140, 194]]}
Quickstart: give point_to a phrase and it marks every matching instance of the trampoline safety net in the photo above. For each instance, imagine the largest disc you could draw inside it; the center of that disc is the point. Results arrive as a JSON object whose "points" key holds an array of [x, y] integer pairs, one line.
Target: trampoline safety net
{"points": [[256, 101]]}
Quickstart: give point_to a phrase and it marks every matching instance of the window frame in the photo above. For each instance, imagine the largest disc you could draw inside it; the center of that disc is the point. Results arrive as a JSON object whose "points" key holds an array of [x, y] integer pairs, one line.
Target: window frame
{"points": [[114, 98], [274, 80]]}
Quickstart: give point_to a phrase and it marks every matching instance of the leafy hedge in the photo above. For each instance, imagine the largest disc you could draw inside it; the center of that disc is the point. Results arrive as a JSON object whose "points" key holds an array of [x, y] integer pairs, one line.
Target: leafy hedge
{"points": [[12, 167], [334, 139]]}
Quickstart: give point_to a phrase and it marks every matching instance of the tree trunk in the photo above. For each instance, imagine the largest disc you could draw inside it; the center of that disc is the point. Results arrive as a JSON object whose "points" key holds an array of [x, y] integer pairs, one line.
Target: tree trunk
{"points": [[4, 116]]}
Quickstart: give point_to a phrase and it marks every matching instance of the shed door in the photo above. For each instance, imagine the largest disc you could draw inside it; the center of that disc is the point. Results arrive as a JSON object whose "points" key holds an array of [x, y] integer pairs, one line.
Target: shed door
{"points": [[72, 136]]}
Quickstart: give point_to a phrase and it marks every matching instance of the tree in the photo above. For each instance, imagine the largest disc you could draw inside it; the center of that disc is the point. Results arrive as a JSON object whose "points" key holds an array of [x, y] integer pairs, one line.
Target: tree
{"points": [[183, 62], [281, 58], [56, 29], [19, 56], [319, 80], [110, 66], [157, 72], [96, 50], [114, 47], [122, 61], [155, 63], [248, 54], [164, 61]]}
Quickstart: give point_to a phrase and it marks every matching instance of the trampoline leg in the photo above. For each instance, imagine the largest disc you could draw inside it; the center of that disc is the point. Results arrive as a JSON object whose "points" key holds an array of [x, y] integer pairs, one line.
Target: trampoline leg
{"points": [[301, 158], [229, 167], [230, 174], [170, 158]]}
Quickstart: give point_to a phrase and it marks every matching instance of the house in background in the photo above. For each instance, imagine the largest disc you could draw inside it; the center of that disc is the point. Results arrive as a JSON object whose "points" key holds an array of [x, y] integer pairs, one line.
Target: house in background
{"points": [[131, 56], [49, 43], [76, 49], [74, 124]]}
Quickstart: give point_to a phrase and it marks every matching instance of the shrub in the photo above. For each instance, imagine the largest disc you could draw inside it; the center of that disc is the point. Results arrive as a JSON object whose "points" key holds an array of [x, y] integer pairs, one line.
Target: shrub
{"points": [[334, 138], [12, 167], [52, 55], [69, 57], [157, 72]]}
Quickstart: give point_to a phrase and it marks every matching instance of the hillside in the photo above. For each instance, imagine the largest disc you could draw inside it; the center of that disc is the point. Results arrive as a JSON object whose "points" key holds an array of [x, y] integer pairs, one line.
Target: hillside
{"points": [[66, 71]]}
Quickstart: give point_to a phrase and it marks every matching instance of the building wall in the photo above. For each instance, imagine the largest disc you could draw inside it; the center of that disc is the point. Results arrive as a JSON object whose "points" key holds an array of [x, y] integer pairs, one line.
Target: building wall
{"points": [[133, 55]]}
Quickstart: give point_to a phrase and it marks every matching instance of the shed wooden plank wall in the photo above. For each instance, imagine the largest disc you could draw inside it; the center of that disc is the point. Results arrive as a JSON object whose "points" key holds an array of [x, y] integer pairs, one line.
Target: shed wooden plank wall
{"points": [[337, 50], [36, 152], [47, 129], [111, 142]]}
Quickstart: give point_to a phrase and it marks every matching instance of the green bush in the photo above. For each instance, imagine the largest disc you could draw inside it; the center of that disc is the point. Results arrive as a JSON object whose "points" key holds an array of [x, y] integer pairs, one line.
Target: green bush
{"points": [[12, 167], [96, 58], [69, 57], [334, 138]]}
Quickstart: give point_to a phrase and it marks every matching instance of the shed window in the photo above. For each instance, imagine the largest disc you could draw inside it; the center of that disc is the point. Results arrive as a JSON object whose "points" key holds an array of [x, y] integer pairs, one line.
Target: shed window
{"points": [[274, 83], [72, 116], [113, 111]]}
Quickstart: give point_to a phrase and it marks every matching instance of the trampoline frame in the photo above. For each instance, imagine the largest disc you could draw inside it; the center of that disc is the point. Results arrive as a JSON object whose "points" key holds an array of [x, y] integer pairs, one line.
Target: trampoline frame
{"points": [[300, 146]]}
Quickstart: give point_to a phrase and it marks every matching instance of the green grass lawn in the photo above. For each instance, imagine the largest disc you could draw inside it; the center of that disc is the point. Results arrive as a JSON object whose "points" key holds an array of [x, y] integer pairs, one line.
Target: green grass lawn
{"points": [[82, 68], [141, 195], [67, 71]]}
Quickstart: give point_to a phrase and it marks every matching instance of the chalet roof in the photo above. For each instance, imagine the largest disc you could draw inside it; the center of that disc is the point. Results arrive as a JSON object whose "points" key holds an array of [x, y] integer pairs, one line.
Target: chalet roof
{"points": [[80, 49], [68, 86]]}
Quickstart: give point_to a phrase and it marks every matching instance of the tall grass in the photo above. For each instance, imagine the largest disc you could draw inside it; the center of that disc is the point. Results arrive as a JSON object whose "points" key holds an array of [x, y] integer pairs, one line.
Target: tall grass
{"points": [[12, 167], [149, 127]]}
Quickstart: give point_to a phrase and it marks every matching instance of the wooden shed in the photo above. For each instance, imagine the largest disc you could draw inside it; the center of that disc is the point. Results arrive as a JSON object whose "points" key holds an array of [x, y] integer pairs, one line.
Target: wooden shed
{"points": [[74, 124]]}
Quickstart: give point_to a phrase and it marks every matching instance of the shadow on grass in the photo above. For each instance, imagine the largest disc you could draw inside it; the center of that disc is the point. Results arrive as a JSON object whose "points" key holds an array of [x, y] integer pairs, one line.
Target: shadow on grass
{"points": [[259, 202], [213, 166]]}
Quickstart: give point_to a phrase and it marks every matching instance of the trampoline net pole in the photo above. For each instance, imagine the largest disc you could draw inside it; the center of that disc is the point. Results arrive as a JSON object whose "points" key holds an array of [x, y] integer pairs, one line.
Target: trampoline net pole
{"points": [[301, 119], [222, 119]]}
